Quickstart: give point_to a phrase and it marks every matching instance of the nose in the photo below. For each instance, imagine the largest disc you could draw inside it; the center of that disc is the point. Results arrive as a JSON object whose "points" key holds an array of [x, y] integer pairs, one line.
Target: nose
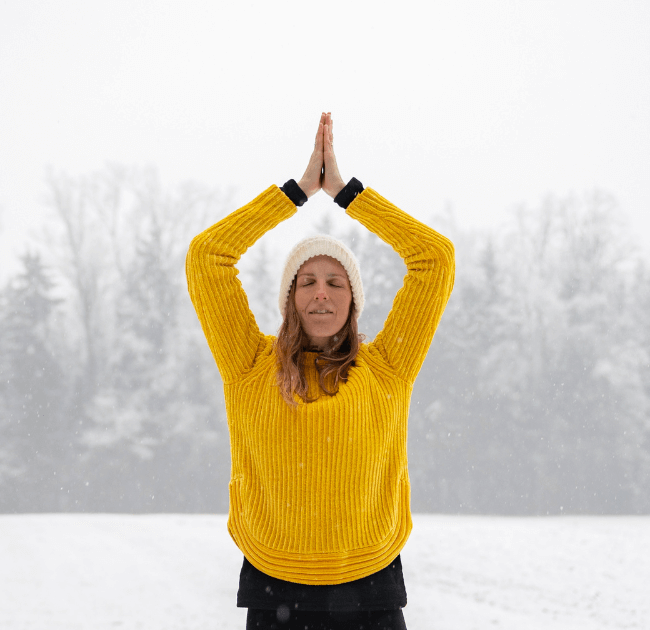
{"points": [[321, 292]]}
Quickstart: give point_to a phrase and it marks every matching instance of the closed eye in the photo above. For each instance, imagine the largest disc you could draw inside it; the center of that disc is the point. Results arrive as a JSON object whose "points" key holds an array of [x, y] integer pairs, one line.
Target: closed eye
{"points": [[331, 284]]}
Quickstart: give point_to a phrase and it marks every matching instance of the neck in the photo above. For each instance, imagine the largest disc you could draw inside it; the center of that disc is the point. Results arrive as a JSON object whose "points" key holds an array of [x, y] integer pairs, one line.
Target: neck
{"points": [[313, 346], [319, 344]]}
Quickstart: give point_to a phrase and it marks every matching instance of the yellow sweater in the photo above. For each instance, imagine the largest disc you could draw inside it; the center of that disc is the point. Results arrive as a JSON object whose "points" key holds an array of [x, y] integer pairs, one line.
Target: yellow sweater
{"points": [[319, 493]]}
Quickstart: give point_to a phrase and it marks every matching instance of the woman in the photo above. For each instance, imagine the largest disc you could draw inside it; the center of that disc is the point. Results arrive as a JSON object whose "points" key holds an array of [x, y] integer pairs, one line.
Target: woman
{"points": [[319, 490]]}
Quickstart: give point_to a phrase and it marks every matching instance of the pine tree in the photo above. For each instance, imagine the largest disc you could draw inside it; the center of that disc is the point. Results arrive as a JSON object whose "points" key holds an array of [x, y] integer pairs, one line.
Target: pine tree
{"points": [[35, 432]]}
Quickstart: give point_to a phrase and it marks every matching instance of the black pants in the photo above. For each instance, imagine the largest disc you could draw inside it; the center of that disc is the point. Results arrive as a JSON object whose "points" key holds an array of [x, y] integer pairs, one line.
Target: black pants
{"points": [[285, 619]]}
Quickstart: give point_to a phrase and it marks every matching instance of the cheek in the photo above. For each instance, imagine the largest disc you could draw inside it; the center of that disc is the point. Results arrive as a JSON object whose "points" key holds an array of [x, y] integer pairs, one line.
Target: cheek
{"points": [[300, 301], [346, 303]]}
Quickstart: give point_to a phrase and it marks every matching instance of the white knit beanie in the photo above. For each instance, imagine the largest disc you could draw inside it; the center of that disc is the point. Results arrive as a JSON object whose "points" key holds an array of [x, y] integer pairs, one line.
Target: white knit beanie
{"points": [[319, 246]]}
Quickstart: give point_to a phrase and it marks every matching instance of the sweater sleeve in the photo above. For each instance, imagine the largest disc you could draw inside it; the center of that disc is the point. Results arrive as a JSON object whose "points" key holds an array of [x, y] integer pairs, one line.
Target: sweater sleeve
{"points": [[216, 292], [418, 306]]}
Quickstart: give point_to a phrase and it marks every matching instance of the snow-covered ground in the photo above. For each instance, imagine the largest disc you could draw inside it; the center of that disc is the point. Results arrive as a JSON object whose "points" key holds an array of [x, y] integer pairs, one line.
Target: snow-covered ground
{"points": [[164, 572]]}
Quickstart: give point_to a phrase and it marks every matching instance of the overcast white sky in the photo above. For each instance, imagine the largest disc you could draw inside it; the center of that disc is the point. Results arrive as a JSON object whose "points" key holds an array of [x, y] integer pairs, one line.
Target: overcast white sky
{"points": [[481, 105]]}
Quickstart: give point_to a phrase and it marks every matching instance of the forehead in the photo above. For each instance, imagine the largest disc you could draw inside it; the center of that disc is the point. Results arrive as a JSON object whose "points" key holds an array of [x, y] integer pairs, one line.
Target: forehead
{"points": [[322, 265]]}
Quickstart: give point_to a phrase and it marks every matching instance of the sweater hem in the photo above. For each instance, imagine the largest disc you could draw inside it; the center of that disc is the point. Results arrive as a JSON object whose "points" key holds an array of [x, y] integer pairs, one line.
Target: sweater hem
{"points": [[320, 568]]}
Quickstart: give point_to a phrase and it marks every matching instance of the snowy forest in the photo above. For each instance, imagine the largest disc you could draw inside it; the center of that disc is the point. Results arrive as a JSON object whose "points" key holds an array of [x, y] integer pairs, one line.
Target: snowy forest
{"points": [[534, 398]]}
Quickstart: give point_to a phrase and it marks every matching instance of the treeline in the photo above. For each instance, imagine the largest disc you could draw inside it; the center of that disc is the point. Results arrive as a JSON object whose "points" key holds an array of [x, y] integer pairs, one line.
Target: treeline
{"points": [[534, 399], [109, 400]]}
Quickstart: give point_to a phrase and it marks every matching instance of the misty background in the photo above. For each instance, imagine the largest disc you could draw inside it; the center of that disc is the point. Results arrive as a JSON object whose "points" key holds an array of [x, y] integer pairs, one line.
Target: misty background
{"points": [[520, 130]]}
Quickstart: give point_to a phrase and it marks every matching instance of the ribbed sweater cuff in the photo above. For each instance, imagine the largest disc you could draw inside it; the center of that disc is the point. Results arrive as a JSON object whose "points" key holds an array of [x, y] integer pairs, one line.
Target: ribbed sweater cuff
{"points": [[294, 192], [348, 193]]}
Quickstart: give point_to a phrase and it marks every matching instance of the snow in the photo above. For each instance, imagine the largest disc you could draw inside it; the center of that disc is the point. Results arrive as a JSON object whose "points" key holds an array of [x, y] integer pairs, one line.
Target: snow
{"points": [[167, 572]]}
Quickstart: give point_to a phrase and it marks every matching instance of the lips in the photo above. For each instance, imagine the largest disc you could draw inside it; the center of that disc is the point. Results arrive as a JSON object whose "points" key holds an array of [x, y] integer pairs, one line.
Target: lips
{"points": [[320, 312]]}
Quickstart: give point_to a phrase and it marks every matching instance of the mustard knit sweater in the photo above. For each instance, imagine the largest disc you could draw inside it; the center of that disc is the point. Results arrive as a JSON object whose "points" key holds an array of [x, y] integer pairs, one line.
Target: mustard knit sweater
{"points": [[319, 493]]}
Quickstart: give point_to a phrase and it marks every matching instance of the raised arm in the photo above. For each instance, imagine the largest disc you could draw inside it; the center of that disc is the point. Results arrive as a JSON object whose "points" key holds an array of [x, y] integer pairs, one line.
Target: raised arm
{"points": [[216, 292], [429, 257], [418, 306]]}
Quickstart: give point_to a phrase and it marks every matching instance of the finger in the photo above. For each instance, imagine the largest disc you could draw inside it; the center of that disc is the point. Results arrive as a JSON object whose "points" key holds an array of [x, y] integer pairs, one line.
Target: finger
{"points": [[318, 142], [319, 138]]}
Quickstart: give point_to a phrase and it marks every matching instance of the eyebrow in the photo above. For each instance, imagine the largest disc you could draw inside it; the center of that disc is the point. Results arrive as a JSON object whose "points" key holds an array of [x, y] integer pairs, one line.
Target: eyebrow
{"points": [[329, 275]]}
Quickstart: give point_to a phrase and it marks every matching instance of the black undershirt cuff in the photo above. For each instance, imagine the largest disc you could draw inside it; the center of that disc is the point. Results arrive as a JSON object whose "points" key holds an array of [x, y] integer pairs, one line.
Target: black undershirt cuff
{"points": [[348, 193], [294, 192]]}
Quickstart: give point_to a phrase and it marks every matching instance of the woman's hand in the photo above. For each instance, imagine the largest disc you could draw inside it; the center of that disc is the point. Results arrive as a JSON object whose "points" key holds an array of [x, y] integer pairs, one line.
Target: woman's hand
{"points": [[332, 182], [312, 179]]}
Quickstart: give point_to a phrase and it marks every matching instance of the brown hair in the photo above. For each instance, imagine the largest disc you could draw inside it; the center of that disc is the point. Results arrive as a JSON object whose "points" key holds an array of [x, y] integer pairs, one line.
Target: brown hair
{"points": [[292, 343]]}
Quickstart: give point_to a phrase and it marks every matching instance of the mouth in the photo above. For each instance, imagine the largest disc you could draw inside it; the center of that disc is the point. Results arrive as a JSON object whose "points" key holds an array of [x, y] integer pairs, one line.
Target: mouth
{"points": [[320, 311]]}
